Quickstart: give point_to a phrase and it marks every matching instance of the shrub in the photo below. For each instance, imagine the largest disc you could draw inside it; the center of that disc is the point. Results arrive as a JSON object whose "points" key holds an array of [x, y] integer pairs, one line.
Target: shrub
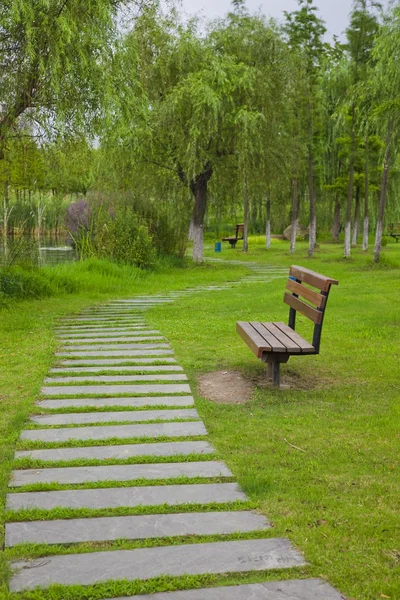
{"points": [[128, 240]]}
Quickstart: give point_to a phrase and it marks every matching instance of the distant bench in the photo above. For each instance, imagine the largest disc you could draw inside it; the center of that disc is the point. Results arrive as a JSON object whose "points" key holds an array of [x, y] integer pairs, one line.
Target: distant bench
{"points": [[238, 236], [394, 231], [275, 343]]}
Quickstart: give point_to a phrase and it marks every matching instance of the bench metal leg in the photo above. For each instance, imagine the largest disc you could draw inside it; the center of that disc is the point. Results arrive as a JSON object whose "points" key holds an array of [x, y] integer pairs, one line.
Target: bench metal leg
{"points": [[273, 373]]}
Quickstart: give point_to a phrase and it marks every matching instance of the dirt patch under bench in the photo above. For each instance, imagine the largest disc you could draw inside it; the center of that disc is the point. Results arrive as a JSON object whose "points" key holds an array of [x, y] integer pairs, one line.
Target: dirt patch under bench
{"points": [[226, 387], [232, 387]]}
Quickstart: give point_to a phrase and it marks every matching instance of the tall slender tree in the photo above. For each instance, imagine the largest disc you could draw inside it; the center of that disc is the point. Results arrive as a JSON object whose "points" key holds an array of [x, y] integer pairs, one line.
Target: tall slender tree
{"points": [[305, 32]]}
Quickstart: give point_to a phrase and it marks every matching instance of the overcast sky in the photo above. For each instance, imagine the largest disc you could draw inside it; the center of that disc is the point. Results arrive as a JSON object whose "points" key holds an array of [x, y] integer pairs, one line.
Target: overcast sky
{"points": [[334, 12]]}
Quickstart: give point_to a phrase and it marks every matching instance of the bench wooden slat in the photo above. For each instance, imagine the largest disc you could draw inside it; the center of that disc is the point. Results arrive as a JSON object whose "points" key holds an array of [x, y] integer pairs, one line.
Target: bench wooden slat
{"points": [[275, 344], [305, 309], [297, 288], [256, 342], [306, 347], [290, 345], [312, 278]]}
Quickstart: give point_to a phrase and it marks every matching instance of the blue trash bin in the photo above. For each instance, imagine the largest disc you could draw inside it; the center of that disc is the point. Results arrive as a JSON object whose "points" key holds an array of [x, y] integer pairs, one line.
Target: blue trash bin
{"points": [[218, 247]]}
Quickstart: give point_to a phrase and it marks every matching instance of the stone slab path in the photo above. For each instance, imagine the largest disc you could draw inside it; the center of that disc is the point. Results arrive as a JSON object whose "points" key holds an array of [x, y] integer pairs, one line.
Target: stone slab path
{"points": [[131, 395]]}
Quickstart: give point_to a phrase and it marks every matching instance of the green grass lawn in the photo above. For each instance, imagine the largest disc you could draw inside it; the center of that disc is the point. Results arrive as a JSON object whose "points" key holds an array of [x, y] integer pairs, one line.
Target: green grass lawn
{"points": [[337, 496]]}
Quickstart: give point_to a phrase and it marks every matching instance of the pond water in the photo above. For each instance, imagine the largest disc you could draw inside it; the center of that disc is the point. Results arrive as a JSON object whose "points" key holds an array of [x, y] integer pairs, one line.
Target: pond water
{"points": [[55, 252], [47, 251]]}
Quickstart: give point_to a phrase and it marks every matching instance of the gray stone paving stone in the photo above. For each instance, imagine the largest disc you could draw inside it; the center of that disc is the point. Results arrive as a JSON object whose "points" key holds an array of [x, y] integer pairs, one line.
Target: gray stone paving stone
{"points": [[108, 335], [145, 563], [106, 417], [132, 528], [155, 495], [116, 378], [134, 402], [143, 299], [119, 361], [295, 589], [126, 353], [111, 390], [103, 432], [123, 451], [122, 340], [75, 475], [108, 346], [80, 331], [131, 368]]}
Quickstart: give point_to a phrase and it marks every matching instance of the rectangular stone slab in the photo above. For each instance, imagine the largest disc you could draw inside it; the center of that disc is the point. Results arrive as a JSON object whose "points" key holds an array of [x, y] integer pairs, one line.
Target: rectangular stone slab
{"points": [[145, 563], [132, 369], [132, 528], [116, 346], [108, 335], [135, 402], [155, 495], [125, 353], [103, 432], [107, 417], [121, 452], [115, 378], [94, 319], [111, 390], [118, 361], [80, 331], [134, 301], [101, 327], [76, 475], [294, 589], [122, 340]]}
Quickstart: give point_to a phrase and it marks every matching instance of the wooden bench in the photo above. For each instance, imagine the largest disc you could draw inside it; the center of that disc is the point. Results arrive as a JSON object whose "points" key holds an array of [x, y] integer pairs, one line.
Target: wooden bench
{"points": [[238, 236], [275, 343], [394, 231]]}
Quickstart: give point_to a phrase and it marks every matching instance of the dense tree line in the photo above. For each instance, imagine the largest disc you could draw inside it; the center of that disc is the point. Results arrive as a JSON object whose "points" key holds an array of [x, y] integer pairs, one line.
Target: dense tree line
{"points": [[240, 117]]}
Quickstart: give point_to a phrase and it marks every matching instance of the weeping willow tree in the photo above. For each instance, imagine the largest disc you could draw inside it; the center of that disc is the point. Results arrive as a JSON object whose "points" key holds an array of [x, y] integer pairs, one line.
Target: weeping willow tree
{"points": [[53, 56], [192, 88]]}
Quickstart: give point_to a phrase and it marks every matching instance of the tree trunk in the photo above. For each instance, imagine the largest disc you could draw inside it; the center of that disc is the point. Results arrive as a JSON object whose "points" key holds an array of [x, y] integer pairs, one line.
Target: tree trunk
{"points": [[268, 224], [5, 222], [311, 190], [347, 227], [383, 194], [366, 197], [295, 215], [336, 222], [356, 216], [198, 187], [246, 217]]}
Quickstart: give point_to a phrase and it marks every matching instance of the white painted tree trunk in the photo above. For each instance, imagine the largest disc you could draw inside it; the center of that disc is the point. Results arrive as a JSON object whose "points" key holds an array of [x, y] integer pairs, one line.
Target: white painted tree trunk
{"points": [[365, 233], [293, 235], [197, 243], [378, 241], [347, 239], [268, 225], [313, 235]]}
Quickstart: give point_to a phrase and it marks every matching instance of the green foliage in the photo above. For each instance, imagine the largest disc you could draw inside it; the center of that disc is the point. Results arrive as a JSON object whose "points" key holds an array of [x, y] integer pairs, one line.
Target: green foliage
{"points": [[128, 241]]}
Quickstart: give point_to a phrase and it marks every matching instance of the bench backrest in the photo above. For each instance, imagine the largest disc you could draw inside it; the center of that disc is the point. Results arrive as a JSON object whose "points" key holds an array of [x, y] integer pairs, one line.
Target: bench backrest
{"points": [[239, 231], [309, 302], [394, 227]]}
